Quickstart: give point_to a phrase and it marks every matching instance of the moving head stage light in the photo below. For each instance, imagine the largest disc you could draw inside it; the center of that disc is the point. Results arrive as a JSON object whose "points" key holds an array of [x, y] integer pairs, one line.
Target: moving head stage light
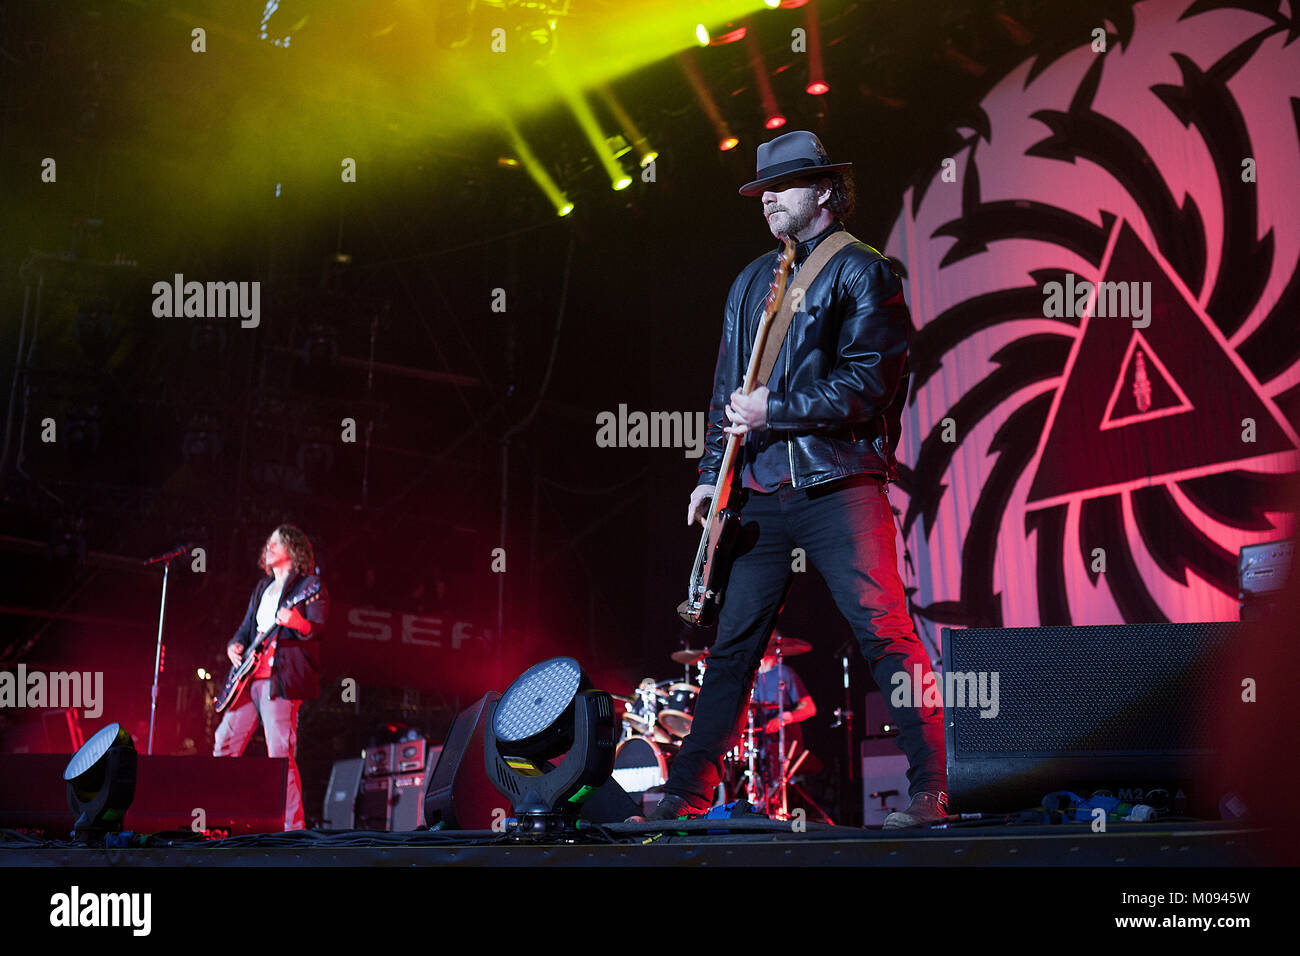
{"points": [[101, 782], [550, 712]]}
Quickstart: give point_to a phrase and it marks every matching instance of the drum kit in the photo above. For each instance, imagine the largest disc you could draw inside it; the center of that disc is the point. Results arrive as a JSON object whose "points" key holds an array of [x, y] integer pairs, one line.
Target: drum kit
{"points": [[657, 718]]}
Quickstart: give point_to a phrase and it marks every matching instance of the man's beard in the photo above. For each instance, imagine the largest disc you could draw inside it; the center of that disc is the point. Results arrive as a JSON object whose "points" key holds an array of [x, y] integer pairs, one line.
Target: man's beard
{"points": [[795, 215]]}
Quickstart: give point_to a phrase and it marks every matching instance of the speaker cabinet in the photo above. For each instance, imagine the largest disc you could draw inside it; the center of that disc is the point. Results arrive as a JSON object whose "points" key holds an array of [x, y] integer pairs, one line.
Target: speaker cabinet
{"points": [[408, 802], [341, 795], [1127, 708]]}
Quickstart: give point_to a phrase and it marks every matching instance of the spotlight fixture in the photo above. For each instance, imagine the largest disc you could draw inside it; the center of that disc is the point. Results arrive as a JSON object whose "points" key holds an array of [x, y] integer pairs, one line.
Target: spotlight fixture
{"points": [[701, 34], [549, 712], [817, 88], [101, 782], [775, 121], [728, 143]]}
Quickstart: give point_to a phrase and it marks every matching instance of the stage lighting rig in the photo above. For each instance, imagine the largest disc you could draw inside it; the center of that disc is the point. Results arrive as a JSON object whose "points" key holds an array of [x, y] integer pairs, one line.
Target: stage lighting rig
{"points": [[101, 782], [551, 712]]}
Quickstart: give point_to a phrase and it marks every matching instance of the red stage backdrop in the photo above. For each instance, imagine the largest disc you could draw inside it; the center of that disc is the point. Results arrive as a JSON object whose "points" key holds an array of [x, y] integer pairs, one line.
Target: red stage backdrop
{"points": [[393, 647], [1087, 459]]}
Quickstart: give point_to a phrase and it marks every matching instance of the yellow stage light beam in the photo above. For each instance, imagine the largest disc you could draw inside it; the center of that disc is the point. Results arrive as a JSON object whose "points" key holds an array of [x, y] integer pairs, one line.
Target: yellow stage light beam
{"points": [[536, 171], [638, 141], [618, 179]]}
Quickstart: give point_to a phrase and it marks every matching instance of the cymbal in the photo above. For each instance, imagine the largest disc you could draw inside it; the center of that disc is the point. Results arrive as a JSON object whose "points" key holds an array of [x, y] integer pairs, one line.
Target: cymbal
{"points": [[790, 646], [626, 700], [688, 655]]}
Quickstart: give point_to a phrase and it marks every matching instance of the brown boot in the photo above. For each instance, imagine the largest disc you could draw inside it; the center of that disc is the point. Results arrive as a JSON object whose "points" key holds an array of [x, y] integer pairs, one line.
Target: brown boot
{"points": [[927, 808]]}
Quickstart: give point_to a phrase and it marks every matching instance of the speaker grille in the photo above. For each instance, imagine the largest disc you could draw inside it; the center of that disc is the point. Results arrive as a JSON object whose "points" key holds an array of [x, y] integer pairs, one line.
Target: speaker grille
{"points": [[1103, 689]]}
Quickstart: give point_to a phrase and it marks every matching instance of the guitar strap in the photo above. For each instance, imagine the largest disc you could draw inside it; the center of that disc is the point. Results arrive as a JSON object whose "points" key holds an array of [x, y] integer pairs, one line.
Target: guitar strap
{"points": [[795, 293]]}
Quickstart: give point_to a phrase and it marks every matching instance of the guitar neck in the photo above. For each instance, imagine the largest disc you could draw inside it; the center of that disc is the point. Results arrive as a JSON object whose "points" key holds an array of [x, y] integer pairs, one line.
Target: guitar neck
{"points": [[722, 490]]}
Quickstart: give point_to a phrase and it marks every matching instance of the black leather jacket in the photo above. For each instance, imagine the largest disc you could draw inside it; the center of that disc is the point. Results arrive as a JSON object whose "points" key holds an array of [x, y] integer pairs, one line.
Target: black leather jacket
{"points": [[841, 397]]}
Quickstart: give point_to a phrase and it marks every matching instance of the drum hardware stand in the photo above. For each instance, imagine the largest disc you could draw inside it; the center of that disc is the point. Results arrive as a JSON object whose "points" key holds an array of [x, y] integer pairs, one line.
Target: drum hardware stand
{"points": [[780, 723], [751, 755]]}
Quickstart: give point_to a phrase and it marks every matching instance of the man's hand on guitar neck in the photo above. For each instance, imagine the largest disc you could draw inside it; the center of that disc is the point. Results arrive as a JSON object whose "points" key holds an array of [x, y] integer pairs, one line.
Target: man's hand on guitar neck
{"points": [[293, 620], [235, 652], [747, 412], [698, 509]]}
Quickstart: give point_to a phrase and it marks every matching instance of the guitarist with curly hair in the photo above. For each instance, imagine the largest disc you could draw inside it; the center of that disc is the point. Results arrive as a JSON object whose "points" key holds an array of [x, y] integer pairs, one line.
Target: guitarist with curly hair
{"points": [[276, 659]]}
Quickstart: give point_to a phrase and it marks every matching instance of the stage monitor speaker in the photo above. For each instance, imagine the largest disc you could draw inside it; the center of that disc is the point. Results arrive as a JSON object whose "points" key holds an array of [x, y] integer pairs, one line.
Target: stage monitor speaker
{"points": [[461, 795], [1128, 708], [341, 795], [235, 794]]}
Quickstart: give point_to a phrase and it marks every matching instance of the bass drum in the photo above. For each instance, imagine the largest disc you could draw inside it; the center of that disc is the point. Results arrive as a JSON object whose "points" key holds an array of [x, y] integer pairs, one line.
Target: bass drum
{"points": [[640, 764]]}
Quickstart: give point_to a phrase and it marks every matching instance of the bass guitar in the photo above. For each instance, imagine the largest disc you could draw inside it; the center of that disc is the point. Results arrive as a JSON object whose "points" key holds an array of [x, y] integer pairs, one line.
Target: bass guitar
{"points": [[242, 673], [714, 555]]}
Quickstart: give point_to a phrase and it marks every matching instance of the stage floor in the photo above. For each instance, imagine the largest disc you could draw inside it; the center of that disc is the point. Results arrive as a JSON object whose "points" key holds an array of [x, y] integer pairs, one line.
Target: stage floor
{"points": [[689, 844]]}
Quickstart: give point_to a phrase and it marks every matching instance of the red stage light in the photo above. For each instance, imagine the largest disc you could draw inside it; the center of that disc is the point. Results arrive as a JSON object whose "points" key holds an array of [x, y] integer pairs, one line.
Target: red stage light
{"points": [[775, 121], [817, 88]]}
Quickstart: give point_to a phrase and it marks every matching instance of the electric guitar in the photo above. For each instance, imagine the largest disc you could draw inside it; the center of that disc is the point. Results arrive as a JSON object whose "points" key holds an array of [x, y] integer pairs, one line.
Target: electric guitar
{"points": [[713, 557], [242, 673]]}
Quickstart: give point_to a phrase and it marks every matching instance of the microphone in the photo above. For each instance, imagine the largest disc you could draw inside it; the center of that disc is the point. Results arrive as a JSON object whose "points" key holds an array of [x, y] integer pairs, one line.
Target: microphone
{"points": [[157, 559]]}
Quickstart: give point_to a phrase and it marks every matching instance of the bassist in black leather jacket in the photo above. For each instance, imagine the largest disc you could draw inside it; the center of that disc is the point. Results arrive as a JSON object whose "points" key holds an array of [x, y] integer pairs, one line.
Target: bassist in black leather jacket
{"points": [[819, 449], [844, 380]]}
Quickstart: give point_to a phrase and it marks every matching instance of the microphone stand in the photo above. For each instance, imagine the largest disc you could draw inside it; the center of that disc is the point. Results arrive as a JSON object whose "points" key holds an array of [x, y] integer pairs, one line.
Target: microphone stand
{"points": [[166, 561], [844, 718]]}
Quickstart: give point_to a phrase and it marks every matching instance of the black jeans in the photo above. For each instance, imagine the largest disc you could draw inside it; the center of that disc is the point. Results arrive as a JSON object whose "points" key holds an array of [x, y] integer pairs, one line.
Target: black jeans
{"points": [[846, 529]]}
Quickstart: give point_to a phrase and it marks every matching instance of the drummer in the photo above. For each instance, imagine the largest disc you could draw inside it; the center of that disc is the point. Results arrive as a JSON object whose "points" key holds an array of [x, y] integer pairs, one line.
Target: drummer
{"points": [[795, 705]]}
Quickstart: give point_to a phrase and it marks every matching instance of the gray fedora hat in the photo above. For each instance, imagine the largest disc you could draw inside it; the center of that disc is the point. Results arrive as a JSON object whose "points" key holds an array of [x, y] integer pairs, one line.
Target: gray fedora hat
{"points": [[793, 155]]}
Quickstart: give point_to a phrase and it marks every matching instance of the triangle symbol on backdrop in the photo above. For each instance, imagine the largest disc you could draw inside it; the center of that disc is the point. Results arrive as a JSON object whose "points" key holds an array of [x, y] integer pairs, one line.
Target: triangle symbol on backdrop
{"points": [[1099, 438], [1144, 388]]}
